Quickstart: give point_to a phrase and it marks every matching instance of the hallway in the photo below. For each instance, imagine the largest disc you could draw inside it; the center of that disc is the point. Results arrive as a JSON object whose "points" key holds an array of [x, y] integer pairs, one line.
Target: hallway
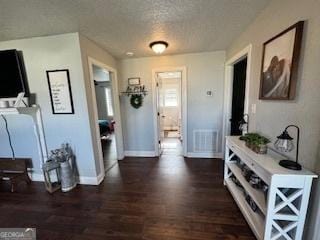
{"points": [[141, 198], [171, 144]]}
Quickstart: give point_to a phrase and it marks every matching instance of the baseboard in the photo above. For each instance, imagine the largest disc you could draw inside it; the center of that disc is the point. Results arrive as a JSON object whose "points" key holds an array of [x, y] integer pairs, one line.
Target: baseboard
{"points": [[100, 177], [139, 153], [204, 155], [38, 177], [121, 156], [90, 180]]}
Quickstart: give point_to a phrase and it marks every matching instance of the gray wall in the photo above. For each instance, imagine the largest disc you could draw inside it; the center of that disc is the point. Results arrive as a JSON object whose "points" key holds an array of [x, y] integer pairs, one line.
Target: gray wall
{"points": [[205, 71], [49, 53], [272, 116]]}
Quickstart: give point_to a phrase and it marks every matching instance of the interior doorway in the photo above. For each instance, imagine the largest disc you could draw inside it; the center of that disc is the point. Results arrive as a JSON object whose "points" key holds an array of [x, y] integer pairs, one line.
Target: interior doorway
{"points": [[104, 99], [238, 96], [170, 111], [112, 125]]}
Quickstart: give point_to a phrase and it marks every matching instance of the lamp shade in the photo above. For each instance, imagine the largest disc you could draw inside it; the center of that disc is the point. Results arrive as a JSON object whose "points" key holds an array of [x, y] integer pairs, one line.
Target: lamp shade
{"points": [[284, 145], [284, 142]]}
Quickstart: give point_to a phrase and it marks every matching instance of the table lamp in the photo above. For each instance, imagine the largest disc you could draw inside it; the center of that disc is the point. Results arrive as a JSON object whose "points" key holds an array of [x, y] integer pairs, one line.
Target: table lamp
{"points": [[284, 143]]}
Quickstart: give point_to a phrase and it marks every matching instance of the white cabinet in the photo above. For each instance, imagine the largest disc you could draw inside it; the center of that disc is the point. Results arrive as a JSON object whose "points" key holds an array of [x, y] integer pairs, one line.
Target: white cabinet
{"points": [[281, 211]]}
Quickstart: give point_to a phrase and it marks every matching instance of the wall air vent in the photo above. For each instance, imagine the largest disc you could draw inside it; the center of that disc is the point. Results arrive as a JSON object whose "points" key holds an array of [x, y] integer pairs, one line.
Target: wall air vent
{"points": [[205, 140]]}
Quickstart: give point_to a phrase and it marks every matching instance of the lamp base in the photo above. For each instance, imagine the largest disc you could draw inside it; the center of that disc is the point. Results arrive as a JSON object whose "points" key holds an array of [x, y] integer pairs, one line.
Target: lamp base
{"points": [[290, 165]]}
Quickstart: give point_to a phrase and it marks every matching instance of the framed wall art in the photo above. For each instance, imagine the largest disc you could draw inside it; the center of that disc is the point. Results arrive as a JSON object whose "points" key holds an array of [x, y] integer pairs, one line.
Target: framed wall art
{"points": [[280, 61], [60, 91], [134, 81]]}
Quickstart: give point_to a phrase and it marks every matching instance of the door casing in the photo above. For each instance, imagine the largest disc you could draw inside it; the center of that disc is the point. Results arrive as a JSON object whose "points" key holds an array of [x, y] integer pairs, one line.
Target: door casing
{"points": [[238, 96], [246, 52]]}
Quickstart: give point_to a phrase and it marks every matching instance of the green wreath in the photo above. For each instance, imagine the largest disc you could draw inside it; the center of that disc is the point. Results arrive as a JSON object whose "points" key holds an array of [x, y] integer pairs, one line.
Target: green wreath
{"points": [[136, 100]]}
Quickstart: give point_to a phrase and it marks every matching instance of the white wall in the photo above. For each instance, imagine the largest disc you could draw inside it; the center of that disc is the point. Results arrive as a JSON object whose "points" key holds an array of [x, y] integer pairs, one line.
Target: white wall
{"points": [[49, 53], [205, 71], [272, 116]]}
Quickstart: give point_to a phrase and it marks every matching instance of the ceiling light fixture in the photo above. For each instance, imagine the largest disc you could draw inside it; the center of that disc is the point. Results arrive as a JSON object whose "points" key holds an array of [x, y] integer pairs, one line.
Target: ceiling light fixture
{"points": [[159, 46], [129, 54]]}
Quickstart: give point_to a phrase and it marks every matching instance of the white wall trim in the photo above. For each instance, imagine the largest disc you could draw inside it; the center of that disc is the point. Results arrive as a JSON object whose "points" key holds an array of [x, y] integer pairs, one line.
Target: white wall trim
{"points": [[140, 153], [100, 178], [204, 155], [246, 52], [116, 106], [91, 180], [38, 177], [184, 114]]}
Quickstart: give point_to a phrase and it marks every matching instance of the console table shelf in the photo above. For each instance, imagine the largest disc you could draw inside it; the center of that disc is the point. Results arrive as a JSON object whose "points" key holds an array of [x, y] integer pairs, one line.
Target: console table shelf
{"points": [[255, 194], [255, 221], [280, 215]]}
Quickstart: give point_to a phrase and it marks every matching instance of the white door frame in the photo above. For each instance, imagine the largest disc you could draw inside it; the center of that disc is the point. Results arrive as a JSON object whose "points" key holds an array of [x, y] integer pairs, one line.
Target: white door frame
{"points": [[229, 66], [184, 114], [116, 108]]}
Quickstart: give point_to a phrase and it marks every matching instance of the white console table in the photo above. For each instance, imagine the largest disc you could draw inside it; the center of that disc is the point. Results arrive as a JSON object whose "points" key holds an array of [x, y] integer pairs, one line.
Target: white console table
{"points": [[280, 215]]}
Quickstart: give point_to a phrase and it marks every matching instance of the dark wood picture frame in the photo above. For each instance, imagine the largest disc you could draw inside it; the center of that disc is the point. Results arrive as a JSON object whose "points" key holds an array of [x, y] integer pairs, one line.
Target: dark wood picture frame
{"points": [[290, 91], [69, 90], [134, 84]]}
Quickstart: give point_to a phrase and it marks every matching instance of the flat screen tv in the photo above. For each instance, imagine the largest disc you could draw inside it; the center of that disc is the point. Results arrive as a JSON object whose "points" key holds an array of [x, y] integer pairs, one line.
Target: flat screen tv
{"points": [[13, 78]]}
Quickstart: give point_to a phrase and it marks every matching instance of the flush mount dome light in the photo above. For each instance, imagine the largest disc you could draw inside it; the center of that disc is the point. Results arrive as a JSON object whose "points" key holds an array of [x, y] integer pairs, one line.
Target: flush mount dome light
{"points": [[129, 54], [159, 46]]}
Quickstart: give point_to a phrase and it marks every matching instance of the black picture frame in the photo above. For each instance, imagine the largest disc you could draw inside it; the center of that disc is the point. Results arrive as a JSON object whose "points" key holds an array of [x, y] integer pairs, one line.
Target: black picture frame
{"points": [[270, 87], [54, 98]]}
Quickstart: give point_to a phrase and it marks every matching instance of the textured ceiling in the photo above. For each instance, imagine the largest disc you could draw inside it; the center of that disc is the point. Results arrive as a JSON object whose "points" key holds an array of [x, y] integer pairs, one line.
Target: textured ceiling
{"points": [[130, 25]]}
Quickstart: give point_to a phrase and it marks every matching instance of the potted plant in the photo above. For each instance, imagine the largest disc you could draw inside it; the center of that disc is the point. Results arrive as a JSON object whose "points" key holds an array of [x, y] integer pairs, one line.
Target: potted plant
{"points": [[256, 142], [250, 138], [261, 145]]}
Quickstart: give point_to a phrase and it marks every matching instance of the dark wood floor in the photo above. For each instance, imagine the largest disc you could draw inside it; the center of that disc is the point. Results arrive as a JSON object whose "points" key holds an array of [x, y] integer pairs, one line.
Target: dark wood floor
{"points": [[141, 198]]}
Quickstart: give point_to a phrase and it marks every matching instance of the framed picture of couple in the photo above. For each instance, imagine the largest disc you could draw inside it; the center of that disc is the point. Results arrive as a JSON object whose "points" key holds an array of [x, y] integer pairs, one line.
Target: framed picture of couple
{"points": [[280, 61]]}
